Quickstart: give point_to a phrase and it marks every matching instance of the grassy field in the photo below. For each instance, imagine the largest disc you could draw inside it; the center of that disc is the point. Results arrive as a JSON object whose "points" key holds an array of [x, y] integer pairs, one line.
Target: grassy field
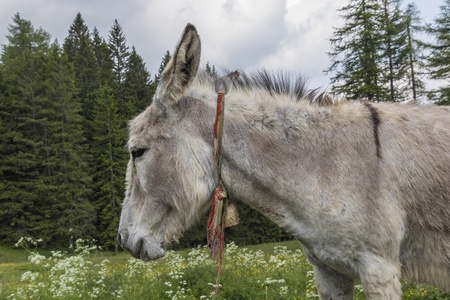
{"points": [[267, 271]]}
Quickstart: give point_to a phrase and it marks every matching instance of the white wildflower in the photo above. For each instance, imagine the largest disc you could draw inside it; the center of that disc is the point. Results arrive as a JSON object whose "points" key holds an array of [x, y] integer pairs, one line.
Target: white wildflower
{"points": [[284, 290], [29, 276], [36, 258]]}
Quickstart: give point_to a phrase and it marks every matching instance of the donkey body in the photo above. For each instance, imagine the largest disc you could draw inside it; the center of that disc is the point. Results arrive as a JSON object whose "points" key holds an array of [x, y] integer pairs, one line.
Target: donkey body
{"points": [[364, 187]]}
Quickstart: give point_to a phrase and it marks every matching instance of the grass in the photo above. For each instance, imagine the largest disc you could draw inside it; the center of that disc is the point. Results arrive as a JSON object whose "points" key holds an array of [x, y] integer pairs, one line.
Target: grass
{"points": [[267, 271]]}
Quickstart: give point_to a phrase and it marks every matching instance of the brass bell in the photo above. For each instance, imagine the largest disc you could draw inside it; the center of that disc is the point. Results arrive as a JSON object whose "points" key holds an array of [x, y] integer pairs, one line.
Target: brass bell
{"points": [[231, 216]]}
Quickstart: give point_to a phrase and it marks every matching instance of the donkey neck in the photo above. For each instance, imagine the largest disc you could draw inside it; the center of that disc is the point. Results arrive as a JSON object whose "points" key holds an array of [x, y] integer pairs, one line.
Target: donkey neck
{"points": [[285, 159], [290, 160], [267, 158]]}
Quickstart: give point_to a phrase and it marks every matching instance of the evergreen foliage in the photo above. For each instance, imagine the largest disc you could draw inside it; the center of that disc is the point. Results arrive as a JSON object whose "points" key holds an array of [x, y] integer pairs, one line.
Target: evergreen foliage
{"points": [[104, 64], [393, 51], [44, 188], [438, 61], [211, 70], [68, 163], [375, 54], [118, 45], [355, 56], [413, 51], [23, 207], [164, 62], [78, 47], [138, 87], [108, 147]]}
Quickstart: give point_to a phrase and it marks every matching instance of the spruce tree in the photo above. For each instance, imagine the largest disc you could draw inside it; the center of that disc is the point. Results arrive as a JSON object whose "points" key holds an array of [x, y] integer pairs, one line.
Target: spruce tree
{"points": [[211, 70], [138, 88], [413, 51], [119, 54], [78, 47], [119, 50], [393, 47], [26, 193], [68, 162], [108, 148], [355, 51], [400, 52], [103, 60], [165, 60], [438, 61]]}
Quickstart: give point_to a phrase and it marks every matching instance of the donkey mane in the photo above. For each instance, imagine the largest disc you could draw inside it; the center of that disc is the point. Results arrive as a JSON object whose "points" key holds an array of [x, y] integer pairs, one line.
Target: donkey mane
{"points": [[281, 84]]}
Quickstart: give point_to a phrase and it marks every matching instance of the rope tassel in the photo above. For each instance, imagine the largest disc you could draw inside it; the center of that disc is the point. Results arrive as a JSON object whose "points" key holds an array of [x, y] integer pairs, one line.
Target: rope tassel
{"points": [[218, 216], [216, 228]]}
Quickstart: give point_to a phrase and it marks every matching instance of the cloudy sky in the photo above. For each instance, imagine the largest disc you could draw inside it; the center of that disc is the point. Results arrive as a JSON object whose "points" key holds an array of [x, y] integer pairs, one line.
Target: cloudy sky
{"points": [[277, 35]]}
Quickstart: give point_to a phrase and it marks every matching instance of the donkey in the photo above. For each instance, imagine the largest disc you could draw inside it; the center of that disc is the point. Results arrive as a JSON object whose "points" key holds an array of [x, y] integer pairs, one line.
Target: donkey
{"points": [[364, 187]]}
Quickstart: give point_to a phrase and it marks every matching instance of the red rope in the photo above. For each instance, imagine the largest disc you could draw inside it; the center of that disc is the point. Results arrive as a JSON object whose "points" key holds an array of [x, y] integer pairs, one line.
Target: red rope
{"points": [[216, 228], [215, 236], [219, 111]]}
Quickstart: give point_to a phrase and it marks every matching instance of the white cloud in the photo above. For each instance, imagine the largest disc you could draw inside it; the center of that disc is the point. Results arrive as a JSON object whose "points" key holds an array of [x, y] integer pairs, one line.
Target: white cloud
{"points": [[275, 34], [304, 49], [234, 33]]}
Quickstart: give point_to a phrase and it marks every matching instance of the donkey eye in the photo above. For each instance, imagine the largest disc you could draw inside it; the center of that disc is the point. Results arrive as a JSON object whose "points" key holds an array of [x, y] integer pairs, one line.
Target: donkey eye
{"points": [[136, 153]]}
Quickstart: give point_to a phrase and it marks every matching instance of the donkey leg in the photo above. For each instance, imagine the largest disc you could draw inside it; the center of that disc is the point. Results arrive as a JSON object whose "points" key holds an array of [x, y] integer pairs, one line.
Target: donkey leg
{"points": [[333, 285], [381, 280]]}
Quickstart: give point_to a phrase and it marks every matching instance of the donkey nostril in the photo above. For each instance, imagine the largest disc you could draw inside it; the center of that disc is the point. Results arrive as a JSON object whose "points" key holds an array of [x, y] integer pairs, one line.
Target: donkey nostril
{"points": [[122, 238]]}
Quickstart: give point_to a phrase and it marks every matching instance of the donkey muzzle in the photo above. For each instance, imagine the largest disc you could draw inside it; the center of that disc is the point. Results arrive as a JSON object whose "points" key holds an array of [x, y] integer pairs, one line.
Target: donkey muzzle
{"points": [[142, 247]]}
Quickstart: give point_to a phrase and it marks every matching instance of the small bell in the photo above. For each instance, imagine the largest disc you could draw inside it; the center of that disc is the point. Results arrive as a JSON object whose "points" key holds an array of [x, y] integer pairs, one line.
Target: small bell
{"points": [[231, 216]]}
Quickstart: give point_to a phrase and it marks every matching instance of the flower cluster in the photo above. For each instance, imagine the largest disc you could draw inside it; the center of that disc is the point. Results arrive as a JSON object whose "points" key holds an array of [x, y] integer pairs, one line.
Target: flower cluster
{"points": [[68, 276], [25, 242], [311, 291]]}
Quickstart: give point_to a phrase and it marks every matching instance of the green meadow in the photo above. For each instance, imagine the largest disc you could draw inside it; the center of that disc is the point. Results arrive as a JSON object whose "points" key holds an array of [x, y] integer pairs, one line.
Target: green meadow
{"points": [[266, 271]]}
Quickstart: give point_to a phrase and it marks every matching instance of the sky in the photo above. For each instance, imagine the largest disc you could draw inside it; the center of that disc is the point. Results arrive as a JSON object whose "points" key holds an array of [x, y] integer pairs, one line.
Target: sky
{"points": [[277, 35]]}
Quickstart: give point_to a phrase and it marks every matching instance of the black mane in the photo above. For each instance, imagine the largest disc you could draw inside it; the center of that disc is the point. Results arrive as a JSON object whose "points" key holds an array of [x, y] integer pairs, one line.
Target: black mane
{"points": [[281, 83]]}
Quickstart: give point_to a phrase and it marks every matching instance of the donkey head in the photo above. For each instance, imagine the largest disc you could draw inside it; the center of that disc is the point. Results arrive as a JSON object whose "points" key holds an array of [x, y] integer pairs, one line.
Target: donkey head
{"points": [[170, 175]]}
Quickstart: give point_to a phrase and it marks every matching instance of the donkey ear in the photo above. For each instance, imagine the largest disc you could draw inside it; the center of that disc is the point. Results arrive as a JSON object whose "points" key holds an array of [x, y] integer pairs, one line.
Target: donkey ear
{"points": [[181, 69]]}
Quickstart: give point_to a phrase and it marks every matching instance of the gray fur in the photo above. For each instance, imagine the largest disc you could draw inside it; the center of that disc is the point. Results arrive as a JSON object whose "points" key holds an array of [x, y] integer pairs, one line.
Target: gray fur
{"points": [[364, 187]]}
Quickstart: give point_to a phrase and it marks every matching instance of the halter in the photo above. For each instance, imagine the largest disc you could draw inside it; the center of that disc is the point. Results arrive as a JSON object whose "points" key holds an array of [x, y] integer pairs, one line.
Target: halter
{"points": [[220, 217]]}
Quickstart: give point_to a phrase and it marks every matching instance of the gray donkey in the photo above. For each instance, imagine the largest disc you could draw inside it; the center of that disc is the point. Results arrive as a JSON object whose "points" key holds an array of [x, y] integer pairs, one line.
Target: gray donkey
{"points": [[364, 187]]}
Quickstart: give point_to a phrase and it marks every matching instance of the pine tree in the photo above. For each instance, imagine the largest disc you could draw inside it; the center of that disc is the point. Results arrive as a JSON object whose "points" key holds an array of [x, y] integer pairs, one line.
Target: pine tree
{"points": [[26, 195], [67, 163], [119, 50], [394, 61], [164, 62], [355, 56], [399, 50], [108, 147], [119, 55], [138, 88], [78, 47], [211, 70], [438, 61], [412, 24], [103, 60]]}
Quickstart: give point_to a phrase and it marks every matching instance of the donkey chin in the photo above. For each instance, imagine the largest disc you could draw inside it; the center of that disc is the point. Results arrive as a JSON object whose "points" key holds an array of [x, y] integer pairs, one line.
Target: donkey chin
{"points": [[147, 248]]}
